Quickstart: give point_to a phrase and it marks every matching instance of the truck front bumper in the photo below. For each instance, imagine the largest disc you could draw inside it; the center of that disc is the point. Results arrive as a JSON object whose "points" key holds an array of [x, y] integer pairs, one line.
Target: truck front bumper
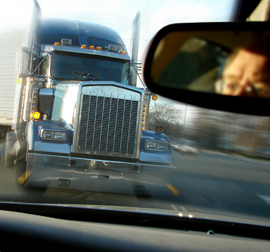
{"points": [[65, 172]]}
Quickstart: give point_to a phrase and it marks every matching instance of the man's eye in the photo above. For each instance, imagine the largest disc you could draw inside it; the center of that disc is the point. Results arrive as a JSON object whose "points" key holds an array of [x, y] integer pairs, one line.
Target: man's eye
{"points": [[261, 88], [231, 86]]}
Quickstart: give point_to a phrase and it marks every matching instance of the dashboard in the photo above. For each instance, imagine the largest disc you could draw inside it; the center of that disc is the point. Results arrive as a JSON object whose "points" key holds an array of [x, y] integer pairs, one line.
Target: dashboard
{"points": [[33, 232]]}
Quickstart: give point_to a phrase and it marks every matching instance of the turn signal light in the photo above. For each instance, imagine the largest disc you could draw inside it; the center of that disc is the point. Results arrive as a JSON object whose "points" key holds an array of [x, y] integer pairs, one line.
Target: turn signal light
{"points": [[154, 97], [36, 115], [159, 129]]}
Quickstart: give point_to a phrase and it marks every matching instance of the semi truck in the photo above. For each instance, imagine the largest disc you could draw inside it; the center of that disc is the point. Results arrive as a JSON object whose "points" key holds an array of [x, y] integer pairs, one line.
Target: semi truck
{"points": [[79, 120]]}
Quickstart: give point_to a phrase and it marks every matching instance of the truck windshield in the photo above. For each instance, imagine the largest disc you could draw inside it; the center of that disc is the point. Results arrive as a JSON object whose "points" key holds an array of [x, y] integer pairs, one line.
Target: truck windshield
{"points": [[74, 66]]}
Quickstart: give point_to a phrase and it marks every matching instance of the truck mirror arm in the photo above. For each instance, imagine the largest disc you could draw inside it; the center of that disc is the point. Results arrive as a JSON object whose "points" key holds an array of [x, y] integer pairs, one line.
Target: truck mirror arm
{"points": [[40, 63], [132, 64]]}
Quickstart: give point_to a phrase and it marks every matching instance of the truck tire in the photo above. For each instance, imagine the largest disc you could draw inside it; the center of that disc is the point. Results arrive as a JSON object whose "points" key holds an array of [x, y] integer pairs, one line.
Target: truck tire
{"points": [[9, 158], [20, 166]]}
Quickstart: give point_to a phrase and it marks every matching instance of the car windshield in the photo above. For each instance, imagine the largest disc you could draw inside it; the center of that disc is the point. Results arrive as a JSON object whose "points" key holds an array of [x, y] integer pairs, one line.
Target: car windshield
{"points": [[85, 130]]}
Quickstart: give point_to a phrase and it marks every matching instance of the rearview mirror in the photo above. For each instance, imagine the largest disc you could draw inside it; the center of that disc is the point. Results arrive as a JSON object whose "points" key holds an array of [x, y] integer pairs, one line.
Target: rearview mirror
{"points": [[223, 66]]}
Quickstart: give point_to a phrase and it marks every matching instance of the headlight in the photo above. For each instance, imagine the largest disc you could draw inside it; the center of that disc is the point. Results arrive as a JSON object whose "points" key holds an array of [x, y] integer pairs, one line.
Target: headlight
{"points": [[53, 135], [156, 146]]}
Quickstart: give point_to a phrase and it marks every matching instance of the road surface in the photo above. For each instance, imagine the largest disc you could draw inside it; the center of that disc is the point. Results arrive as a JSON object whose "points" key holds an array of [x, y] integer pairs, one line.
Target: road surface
{"points": [[208, 182]]}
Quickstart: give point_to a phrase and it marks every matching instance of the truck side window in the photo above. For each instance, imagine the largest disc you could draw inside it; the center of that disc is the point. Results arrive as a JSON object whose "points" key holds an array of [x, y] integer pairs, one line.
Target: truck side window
{"points": [[44, 66]]}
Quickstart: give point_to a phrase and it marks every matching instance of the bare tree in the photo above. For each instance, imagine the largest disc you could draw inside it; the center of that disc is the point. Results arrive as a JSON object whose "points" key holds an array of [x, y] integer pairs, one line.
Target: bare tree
{"points": [[165, 112], [167, 115]]}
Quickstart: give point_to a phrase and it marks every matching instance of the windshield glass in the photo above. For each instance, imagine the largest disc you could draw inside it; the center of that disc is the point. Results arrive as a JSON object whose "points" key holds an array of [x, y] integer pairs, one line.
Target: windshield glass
{"points": [[125, 147], [85, 67]]}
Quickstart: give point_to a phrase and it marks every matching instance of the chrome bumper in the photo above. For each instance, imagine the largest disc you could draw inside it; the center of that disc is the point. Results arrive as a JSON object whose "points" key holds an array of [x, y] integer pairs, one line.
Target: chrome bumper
{"points": [[64, 172]]}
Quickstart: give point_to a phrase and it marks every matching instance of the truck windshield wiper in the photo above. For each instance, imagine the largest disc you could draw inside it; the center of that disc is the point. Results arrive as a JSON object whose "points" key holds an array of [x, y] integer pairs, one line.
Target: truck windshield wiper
{"points": [[88, 76]]}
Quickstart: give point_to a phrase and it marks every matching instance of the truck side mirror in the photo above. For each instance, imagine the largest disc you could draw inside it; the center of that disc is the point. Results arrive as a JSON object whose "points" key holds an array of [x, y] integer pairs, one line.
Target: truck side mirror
{"points": [[45, 99]]}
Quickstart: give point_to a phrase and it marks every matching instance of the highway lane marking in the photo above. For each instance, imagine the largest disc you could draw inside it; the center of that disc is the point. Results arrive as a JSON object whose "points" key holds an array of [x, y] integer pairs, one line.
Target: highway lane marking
{"points": [[172, 189], [265, 198]]}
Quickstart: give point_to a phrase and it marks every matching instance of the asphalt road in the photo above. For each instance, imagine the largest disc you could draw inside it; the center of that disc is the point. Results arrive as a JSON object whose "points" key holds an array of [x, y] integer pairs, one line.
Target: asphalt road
{"points": [[208, 182]]}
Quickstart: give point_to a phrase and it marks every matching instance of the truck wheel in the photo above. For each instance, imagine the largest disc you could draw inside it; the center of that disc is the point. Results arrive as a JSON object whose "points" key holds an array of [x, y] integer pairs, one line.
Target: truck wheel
{"points": [[8, 160], [20, 168], [8, 157]]}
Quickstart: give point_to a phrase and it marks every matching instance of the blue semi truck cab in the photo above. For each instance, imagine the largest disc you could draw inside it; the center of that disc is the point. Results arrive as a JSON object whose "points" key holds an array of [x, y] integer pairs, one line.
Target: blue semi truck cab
{"points": [[81, 121]]}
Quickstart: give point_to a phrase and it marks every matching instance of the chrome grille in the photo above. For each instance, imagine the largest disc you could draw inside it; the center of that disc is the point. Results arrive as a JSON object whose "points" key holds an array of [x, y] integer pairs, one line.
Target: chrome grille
{"points": [[108, 125]]}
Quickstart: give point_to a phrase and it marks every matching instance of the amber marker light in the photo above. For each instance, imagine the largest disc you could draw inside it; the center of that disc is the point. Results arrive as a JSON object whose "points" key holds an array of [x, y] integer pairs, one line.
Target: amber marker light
{"points": [[159, 129], [99, 48], [36, 115], [154, 97], [91, 47], [57, 43], [83, 46], [124, 52]]}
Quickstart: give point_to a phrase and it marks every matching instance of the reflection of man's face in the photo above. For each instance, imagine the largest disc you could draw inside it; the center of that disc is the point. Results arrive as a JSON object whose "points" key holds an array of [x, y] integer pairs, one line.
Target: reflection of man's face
{"points": [[248, 74]]}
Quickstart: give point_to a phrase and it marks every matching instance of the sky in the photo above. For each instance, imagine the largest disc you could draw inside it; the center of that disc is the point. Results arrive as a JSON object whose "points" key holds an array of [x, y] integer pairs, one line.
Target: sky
{"points": [[119, 15]]}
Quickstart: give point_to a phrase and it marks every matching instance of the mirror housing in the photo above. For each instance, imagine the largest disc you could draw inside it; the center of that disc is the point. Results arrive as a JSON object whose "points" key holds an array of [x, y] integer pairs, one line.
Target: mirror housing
{"points": [[46, 96], [228, 36]]}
